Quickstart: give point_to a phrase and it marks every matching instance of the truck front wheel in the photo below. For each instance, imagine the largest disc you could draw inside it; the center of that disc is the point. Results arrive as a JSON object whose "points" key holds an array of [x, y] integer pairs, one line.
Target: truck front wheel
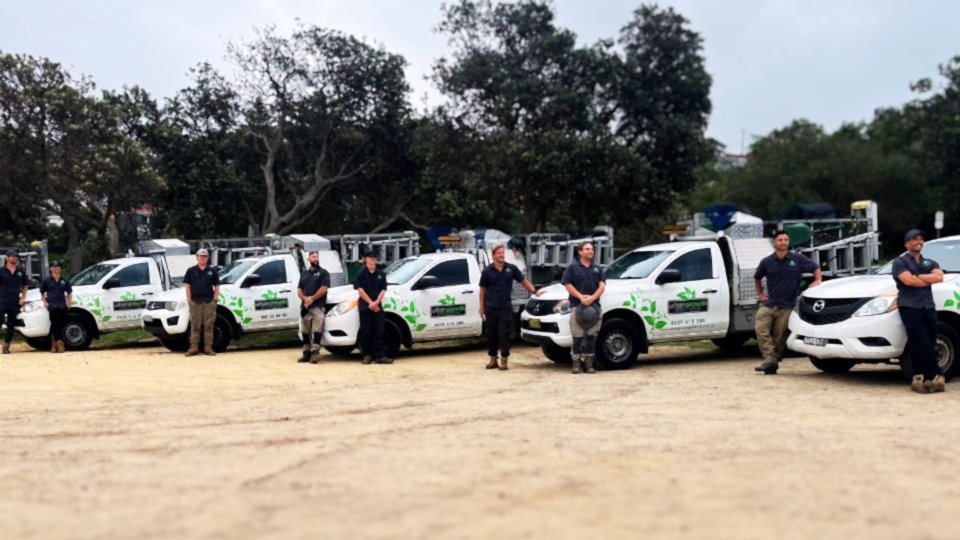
{"points": [[832, 365], [948, 342], [392, 338], [222, 333], [617, 345], [77, 333]]}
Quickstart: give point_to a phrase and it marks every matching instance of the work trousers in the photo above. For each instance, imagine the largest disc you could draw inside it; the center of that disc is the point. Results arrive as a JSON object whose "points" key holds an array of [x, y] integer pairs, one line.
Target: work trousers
{"points": [[202, 315], [584, 338], [371, 333], [58, 318], [8, 316], [771, 324], [311, 327], [921, 325], [499, 330]]}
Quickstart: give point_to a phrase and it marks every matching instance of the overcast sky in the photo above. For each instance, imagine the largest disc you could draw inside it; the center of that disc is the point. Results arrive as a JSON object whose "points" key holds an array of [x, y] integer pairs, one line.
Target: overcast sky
{"points": [[771, 61]]}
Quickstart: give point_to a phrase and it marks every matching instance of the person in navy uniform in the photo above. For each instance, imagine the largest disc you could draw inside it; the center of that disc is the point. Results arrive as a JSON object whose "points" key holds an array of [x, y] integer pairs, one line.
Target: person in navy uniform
{"points": [[585, 283], [784, 271], [13, 294], [914, 275], [312, 291], [202, 286], [371, 286], [57, 295], [496, 306]]}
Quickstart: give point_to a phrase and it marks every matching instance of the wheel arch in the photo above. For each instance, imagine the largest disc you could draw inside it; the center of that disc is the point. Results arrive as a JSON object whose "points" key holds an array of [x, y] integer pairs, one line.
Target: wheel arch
{"points": [[235, 327], [87, 318], [635, 320], [406, 337]]}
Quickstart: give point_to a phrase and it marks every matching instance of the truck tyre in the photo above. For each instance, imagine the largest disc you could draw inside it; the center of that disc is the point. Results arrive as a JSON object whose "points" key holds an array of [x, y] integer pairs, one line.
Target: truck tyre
{"points": [[222, 333], [77, 333], [176, 344], [556, 353], [38, 343], [343, 350], [948, 343], [392, 338], [832, 365], [617, 344], [731, 343]]}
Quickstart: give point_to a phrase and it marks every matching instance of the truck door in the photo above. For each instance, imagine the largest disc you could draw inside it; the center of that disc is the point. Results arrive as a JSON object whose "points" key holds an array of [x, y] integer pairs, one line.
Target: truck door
{"points": [[445, 304], [125, 296], [273, 301], [696, 306]]}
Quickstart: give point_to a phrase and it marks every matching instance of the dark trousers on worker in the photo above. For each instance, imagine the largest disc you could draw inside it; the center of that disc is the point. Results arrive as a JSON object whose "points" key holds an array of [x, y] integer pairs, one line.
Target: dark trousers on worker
{"points": [[921, 325], [58, 318], [371, 333], [499, 330], [8, 316]]}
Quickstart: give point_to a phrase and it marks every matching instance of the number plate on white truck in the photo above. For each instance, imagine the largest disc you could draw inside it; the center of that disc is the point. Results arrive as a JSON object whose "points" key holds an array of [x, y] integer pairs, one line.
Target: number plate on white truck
{"points": [[815, 341]]}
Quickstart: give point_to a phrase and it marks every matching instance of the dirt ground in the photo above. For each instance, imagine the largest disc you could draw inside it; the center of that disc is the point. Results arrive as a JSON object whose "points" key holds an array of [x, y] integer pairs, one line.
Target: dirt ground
{"points": [[141, 443]]}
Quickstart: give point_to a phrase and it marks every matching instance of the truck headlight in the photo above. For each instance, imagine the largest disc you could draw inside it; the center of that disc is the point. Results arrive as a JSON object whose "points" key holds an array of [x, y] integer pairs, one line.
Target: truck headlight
{"points": [[884, 303], [175, 305], [342, 308], [562, 307], [33, 305]]}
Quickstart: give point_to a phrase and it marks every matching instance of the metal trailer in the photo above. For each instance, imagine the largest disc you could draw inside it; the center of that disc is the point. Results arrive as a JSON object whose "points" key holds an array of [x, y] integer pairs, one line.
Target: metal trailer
{"points": [[389, 248], [224, 251]]}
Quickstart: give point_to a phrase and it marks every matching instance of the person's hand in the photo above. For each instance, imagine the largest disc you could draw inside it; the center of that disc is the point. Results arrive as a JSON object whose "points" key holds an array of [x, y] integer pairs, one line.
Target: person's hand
{"points": [[586, 300], [762, 297], [307, 302], [483, 315], [814, 284], [23, 300], [540, 292]]}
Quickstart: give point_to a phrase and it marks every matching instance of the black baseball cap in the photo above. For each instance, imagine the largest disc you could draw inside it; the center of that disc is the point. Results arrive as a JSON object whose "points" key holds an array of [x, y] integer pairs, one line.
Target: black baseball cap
{"points": [[12, 253], [913, 233]]}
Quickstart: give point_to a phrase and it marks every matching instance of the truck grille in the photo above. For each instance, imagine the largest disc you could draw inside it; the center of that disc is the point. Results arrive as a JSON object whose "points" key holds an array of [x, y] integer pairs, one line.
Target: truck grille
{"points": [[834, 310], [541, 307]]}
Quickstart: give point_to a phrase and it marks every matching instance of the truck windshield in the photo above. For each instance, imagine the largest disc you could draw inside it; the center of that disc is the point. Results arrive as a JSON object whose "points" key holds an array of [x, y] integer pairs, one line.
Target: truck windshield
{"points": [[232, 272], [92, 274], [403, 270], [636, 264], [946, 253]]}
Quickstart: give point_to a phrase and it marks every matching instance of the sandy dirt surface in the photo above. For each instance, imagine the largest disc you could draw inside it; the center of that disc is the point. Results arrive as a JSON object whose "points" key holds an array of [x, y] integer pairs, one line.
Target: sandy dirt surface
{"points": [[141, 443]]}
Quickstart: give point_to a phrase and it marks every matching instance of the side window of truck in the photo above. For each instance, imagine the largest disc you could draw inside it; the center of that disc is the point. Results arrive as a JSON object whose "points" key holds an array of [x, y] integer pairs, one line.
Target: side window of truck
{"points": [[135, 275], [451, 273], [695, 265], [272, 273]]}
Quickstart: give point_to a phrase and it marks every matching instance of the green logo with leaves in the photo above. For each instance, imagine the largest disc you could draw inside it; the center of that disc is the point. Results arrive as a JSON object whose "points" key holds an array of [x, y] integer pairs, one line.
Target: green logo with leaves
{"points": [[93, 306], [654, 318], [269, 295], [128, 296], [953, 302], [408, 311], [448, 300], [236, 305], [687, 294]]}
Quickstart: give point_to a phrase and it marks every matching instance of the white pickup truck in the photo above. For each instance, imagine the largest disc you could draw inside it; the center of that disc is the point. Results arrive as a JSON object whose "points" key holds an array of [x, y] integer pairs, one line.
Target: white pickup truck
{"points": [[431, 297], [677, 291], [854, 320], [107, 297]]}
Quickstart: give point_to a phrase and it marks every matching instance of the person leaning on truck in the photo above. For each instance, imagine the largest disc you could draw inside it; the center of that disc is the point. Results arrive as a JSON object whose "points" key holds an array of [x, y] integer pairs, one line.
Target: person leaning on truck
{"points": [[496, 306], [914, 275], [13, 294], [371, 286], [784, 271], [202, 284], [57, 295], [585, 283], [312, 290]]}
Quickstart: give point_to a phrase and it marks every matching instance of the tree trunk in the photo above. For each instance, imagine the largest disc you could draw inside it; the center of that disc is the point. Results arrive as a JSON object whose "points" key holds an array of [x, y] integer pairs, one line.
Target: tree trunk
{"points": [[73, 245]]}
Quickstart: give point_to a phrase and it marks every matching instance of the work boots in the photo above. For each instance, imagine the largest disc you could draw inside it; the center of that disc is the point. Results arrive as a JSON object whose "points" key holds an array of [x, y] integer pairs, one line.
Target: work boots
{"points": [[503, 363], [767, 368], [208, 350], [305, 357], [575, 361], [193, 350], [492, 364], [588, 363], [315, 357], [938, 384], [917, 385], [60, 346], [53, 347], [6, 347], [367, 360]]}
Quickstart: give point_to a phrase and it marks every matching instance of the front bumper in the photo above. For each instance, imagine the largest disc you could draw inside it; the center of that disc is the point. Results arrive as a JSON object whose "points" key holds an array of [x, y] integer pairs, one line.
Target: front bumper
{"points": [[553, 328], [164, 323], [872, 338], [34, 324], [342, 330]]}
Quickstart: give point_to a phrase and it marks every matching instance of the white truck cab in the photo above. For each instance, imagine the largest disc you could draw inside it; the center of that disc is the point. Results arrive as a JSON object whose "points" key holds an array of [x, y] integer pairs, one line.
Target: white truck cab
{"points": [[430, 297], [676, 291], [854, 320], [107, 297]]}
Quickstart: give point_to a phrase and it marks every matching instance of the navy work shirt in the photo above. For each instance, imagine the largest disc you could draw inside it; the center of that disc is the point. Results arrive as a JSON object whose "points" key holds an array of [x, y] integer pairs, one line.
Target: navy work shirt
{"points": [[499, 285], [585, 279], [11, 285], [372, 283], [202, 283], [311, 280], [783, 277], [56, 291], [913, 297]]}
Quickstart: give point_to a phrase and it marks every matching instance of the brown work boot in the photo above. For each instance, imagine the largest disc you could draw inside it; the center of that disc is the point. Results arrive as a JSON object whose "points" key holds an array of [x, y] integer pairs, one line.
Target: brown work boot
{"points": [[384, 360], [315, 357], [588, 364], [367, 360], [208, 350], [492, 364], [53, 347], [917, 385], [6, 348], [576, 364], [60, 346], [503, 363], [938, 384], [193, 350]]}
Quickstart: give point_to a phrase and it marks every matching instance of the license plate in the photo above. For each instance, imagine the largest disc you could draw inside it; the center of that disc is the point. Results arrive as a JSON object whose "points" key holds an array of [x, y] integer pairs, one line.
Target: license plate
{"points": [[534, 323], [815, 341], [148, 318]]}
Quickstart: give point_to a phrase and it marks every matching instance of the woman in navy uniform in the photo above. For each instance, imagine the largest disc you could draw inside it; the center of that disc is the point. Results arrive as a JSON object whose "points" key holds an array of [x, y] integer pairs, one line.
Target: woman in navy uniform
{"points": [[57, 295]]}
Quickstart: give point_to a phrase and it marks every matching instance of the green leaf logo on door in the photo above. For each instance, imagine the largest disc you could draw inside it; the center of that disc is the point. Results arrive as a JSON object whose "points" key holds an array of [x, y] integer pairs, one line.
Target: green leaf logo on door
{"points": [[649, 312], [93, 306], [237, 307], [687, 294], [953, 303], [408, 311]]}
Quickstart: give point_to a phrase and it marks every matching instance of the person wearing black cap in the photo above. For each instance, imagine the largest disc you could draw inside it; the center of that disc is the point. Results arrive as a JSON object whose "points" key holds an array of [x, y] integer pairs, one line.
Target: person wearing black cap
{"points": [[371, 286], [914, 275], [496, 305], [13, 294], [585, 282], [202, 286], [312, 290], [57, 295]]}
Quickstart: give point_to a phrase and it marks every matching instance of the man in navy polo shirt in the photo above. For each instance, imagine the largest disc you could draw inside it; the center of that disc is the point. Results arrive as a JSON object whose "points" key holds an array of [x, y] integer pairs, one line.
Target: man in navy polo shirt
{"points": [[784, 271], [496, 306], [371, 286], [914, 275], [202, 285], [585, 283], [57, 295], [13, 294]]}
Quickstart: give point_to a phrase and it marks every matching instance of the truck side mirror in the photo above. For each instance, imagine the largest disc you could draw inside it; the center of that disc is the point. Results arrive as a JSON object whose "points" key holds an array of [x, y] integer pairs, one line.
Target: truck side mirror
{"points": [[426, 282], [670, 275], [251, 280], [112, 283]]}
